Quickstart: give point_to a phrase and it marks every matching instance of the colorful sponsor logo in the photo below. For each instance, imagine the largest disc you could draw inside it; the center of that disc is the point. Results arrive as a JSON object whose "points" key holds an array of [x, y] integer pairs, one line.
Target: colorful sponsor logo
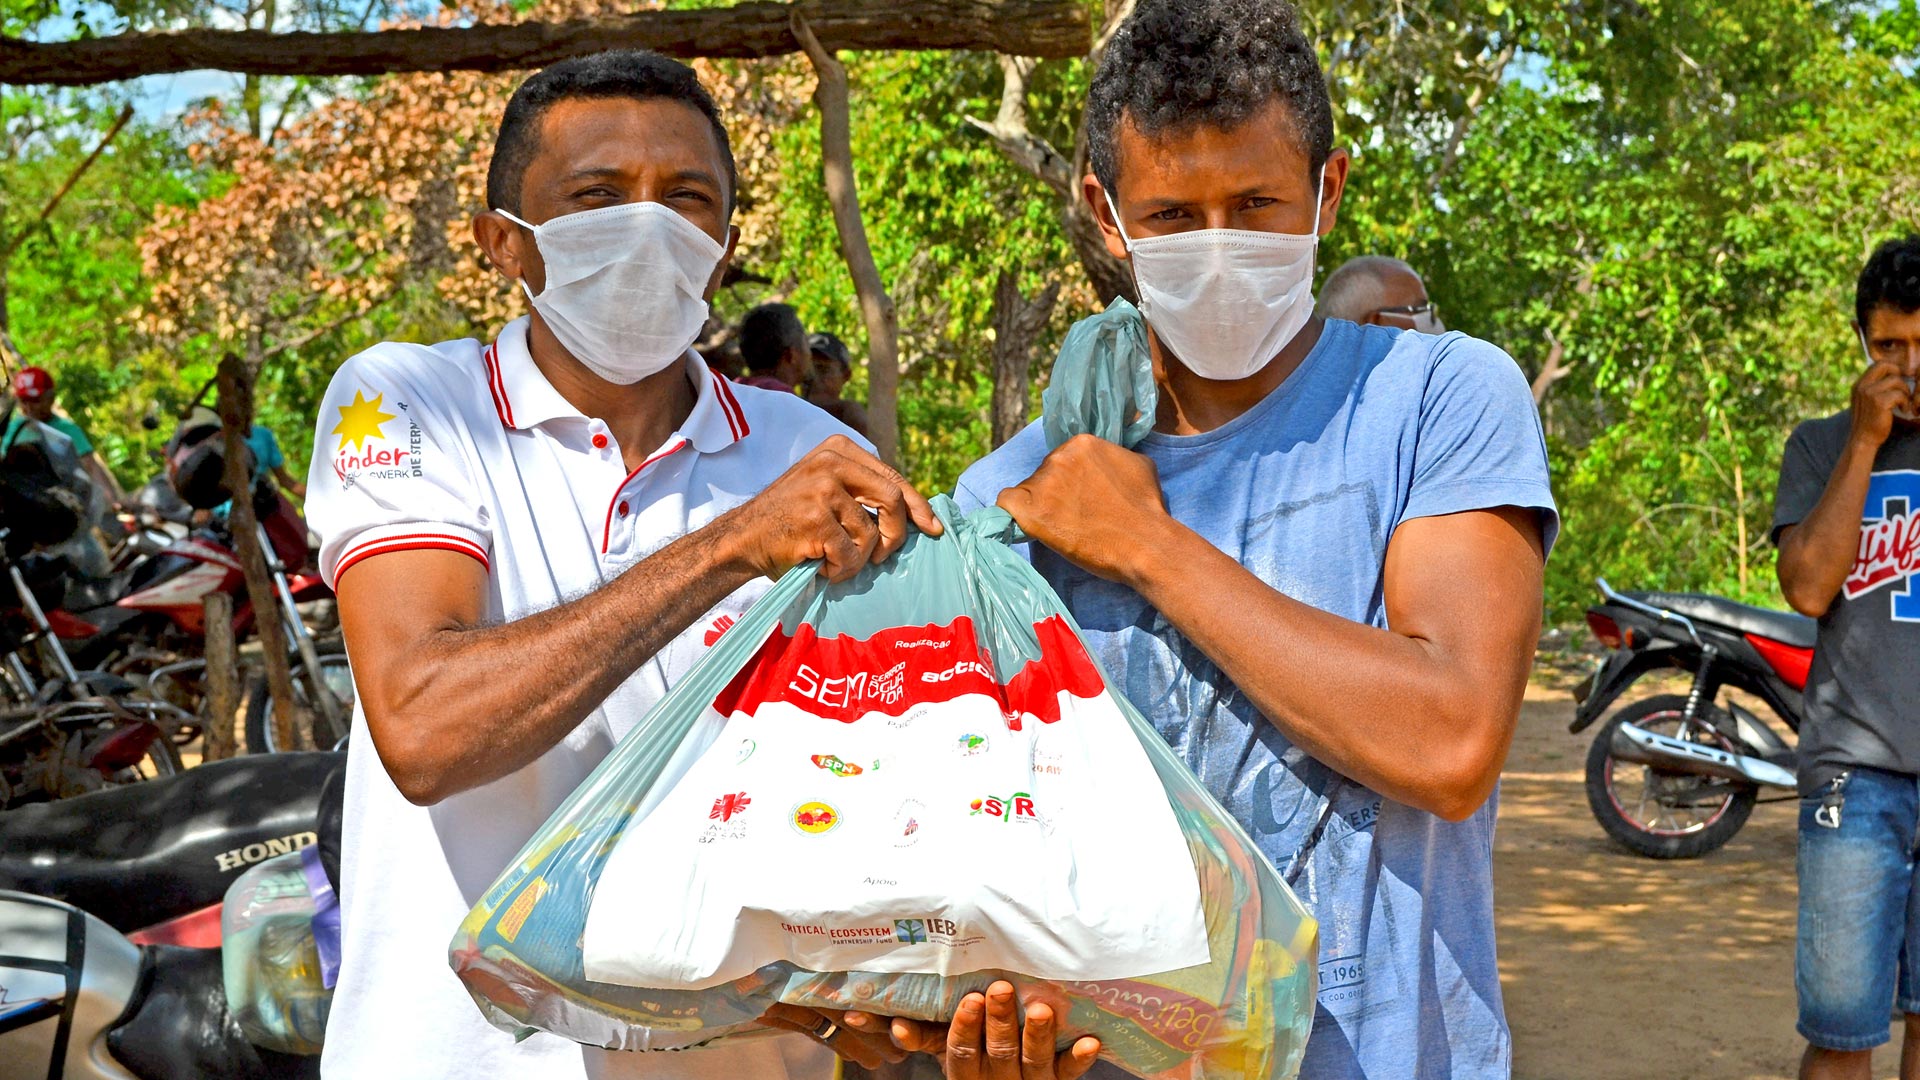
{"points": [[964, 667], [727, 807], [363, 421], [931, 929], [814, 818], [1015, 807], [970, 745], [835, 766], [906, 823], [720, 626]]}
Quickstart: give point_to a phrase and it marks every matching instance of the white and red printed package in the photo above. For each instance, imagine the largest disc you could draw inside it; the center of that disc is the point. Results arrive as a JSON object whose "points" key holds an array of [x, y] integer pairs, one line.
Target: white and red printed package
{"points": [[884, 795]]}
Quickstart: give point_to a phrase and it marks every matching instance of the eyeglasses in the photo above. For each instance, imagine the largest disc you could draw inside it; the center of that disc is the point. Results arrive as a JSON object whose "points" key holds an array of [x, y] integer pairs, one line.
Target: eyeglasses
{"points": [[1413, 311], [1423, 318]]}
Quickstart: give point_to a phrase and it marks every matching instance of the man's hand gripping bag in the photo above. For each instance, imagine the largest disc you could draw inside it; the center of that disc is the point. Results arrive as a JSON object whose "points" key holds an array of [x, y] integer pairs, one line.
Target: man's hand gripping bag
{"points": [[883, 795]]}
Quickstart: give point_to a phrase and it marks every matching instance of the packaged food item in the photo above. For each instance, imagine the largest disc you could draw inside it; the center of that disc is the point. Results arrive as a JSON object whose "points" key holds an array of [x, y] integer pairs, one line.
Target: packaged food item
{"points": [[885, 794], [269, 955]]}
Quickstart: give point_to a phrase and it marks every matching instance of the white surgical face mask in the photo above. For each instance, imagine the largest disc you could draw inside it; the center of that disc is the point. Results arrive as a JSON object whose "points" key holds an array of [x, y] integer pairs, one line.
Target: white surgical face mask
{"points": [[625, 286], [1225, 301]]}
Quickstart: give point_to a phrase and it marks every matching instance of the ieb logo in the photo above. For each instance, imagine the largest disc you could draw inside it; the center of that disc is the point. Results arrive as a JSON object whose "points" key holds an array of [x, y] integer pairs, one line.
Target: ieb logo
{"points": [[1017, 806], [915, 931]]}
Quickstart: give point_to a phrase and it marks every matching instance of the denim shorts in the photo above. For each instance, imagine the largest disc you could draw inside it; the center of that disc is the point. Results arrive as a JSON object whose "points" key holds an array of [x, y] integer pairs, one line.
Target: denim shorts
{"points": [[1858, 955]]}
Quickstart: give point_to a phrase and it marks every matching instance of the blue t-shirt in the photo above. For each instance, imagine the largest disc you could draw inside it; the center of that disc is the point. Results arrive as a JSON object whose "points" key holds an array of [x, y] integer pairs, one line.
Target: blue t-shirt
{"points": [[1304, 490], [266, 450]]}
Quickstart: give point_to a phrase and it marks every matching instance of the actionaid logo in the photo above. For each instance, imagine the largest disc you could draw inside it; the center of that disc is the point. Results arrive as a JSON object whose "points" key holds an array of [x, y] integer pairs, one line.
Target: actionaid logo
{"points": [[964, 667], [1889, 551], [1015, 807]]}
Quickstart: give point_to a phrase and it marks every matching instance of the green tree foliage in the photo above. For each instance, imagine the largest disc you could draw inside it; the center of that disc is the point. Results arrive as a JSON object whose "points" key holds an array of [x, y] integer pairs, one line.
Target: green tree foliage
{"points": [[1657, 207]]}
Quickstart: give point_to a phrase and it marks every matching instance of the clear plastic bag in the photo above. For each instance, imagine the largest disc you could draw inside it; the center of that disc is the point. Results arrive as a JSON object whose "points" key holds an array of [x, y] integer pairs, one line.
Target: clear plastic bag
{"points": [[1245, 1011], [269, 957]]}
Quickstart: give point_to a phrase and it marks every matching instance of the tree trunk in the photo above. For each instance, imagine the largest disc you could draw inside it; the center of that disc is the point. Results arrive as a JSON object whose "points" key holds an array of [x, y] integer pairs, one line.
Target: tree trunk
{"points": [[1017, 324], [217, 741], [236, 420], [1048, 28], [876, 307]]}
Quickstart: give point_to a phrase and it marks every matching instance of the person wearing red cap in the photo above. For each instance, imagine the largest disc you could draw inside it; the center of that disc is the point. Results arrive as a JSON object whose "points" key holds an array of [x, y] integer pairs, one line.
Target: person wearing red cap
{"points": [[33, 391]]}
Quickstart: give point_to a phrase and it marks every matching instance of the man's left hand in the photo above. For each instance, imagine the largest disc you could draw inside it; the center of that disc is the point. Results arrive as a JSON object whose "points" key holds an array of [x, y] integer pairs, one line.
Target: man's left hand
{"points": [[868, 1049], [1094, 503], [988, 1041]]}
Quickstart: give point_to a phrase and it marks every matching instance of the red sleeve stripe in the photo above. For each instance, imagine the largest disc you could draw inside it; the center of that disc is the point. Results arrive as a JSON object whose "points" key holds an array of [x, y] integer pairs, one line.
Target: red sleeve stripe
{"points": [[409, 542], [496, 385], [606, 532], [730, 407]]}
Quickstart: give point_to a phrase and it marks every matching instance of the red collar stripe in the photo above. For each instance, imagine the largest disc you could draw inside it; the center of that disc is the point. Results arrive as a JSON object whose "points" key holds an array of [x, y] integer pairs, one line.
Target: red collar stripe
{"points": [[408, 542], [497, 385], [730, 407], [606, 532]]}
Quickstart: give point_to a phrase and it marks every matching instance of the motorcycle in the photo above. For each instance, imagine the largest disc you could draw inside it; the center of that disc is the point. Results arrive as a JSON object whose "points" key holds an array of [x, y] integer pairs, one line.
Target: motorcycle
{"points": [[72, 732], [146, 621], [1675, 777], [80, 997]]}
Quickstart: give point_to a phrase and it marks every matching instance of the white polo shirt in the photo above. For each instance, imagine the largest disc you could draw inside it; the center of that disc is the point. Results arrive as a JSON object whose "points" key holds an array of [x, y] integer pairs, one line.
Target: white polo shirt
{"points": [[466, 447]]}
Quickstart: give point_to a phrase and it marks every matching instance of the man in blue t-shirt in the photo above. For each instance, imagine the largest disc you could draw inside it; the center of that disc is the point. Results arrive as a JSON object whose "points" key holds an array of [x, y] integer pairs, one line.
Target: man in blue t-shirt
{"points": [[1320, 575]]}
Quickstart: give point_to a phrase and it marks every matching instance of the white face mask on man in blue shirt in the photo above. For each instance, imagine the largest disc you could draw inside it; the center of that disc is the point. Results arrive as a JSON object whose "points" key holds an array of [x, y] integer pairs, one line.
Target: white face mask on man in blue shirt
{"points": [[1225, 301], [626, 286]]}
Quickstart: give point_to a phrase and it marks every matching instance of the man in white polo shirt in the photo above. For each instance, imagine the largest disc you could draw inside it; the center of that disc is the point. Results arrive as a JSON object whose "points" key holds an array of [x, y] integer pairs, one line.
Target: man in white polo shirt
{"points": [[533, 538]]}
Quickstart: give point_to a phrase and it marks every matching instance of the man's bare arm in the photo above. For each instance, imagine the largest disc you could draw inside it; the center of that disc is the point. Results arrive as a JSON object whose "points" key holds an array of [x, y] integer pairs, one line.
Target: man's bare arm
{"points": [[1817, 553], [453, 704], [1423, 713]]}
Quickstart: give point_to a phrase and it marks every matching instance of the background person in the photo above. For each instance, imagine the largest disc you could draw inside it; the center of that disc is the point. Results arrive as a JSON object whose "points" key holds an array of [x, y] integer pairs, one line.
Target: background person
{"points": [[1847, 519], [829, 367], [33, 389], [1377, 290], [1320, 575], [773, 343]]}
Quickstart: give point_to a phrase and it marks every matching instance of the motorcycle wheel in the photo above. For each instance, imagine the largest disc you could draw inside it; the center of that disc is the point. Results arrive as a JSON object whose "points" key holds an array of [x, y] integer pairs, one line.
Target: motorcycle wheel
{"points": [[338, 677], [1656, 813]]}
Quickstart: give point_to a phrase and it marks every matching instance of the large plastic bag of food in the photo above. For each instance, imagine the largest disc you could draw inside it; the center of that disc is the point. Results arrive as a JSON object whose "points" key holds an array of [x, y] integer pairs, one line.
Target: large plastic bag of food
{"points": [[883, 795], [276, 970]]}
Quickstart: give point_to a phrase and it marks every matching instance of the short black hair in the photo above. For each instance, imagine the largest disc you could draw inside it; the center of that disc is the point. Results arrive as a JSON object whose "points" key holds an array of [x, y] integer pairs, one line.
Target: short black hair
{"points": [[767, 332], [1177, 64], [1891, 278], [620, 73]]}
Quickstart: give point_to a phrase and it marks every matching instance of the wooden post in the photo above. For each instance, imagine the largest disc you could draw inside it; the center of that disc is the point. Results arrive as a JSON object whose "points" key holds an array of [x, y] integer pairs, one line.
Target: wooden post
{"points": [[876, 307], [236, 420], [222, 701]]}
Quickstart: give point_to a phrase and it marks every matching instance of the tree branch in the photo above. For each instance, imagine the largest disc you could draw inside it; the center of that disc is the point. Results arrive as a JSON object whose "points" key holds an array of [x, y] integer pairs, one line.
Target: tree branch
{"points": [[876, 307], [1009, 130], [1047, 28], [126, 114]]}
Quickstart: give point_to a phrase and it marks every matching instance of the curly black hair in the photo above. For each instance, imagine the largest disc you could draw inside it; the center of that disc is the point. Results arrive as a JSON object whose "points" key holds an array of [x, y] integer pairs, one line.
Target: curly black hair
{"points": [[618, 73], [1181, 63], [1891, 278]]}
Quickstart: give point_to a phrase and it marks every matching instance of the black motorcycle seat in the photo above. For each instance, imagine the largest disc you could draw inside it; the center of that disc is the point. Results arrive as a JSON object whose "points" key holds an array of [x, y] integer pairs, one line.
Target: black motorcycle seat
{"points": [[144, 853], [1782, 626], [181, 1025]]}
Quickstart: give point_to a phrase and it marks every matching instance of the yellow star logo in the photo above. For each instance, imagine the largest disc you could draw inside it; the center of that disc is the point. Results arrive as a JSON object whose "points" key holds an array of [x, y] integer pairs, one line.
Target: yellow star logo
{"points": [[361, 421]]}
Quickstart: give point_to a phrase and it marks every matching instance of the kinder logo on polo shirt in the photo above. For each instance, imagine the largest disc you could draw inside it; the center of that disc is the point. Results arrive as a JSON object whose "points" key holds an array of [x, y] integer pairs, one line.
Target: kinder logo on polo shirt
{"points": [[365, 451]]}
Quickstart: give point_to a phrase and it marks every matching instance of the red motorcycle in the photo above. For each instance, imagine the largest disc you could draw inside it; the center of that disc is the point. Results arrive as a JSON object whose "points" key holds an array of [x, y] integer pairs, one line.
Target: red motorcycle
{"points": [[146, 622]]}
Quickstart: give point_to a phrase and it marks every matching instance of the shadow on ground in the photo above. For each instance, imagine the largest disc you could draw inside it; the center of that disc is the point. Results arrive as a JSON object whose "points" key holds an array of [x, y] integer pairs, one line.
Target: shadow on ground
{"points": [[1617, 967]]}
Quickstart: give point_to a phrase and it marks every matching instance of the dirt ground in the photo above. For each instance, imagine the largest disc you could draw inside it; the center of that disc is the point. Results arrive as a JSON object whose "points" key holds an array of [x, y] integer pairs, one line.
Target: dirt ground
{"points": [[1617, 967]]}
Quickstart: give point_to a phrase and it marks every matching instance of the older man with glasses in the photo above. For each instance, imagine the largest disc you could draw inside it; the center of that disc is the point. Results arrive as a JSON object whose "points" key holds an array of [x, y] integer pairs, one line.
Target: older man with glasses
{"points": [[1381, 291]]}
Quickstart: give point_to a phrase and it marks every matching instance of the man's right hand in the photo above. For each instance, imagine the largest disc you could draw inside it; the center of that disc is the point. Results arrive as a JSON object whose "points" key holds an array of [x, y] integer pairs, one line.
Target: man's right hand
{"points": [[1880, 394], [818, 509]]}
